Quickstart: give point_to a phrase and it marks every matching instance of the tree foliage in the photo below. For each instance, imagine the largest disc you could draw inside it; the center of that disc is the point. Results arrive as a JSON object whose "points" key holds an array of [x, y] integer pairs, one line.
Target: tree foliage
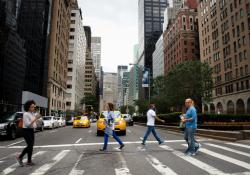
{"points": [[190, 79], [90, 100]]}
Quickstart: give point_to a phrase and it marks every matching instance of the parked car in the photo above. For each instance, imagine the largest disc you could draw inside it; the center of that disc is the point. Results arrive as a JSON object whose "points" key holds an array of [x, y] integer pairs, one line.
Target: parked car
{"points": [[61, 121], [50, 122], [128, 118], [39, 124], [9, 125], [70, 121], [120, 123]]}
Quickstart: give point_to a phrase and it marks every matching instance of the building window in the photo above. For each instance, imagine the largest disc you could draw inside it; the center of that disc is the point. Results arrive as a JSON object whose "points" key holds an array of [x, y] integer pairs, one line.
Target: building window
{"points": [[247, 84], [241, 13], [72, 29], [70, 61], [246, 69], [185, 42], [68, 103], [73, 22], [73, 14], [71, 37], [69, 86], [70, 69]]}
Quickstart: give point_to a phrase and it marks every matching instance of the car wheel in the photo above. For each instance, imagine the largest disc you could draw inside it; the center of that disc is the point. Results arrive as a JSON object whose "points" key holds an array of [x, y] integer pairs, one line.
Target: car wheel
{"points": [[42, 128], [12, 134]]}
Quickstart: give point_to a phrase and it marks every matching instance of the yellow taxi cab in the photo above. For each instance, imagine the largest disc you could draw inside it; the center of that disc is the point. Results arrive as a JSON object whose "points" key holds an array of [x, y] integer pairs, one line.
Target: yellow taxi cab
{"points": [[120, 123], [81, 121]]}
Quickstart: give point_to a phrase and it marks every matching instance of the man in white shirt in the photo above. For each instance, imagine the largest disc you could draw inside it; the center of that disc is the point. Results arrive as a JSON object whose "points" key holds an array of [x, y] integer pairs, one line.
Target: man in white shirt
{"points": [[151, 116]]}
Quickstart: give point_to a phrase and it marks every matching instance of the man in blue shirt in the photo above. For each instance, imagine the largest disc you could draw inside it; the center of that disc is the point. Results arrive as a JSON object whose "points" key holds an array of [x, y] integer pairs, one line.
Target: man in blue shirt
{"points": [[191, 125]]}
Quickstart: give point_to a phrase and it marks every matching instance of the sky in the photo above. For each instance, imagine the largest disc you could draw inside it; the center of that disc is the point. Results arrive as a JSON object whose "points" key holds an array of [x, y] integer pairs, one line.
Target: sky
{"points": [[115, 21]]}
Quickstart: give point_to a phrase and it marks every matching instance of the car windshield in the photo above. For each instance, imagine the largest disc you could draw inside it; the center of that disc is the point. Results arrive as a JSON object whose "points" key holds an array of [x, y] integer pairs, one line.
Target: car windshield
{"points": [[117, 114], [7, 118], [46, 118], [77, 118], [85, 118]]}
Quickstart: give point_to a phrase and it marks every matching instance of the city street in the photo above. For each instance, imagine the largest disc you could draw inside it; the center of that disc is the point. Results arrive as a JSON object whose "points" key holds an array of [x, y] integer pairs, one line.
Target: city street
{"points": [[71, 151]]}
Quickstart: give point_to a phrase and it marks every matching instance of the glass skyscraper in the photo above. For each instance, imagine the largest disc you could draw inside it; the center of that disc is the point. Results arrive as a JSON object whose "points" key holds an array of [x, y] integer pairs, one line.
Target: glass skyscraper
{"points": [[151, 18]]}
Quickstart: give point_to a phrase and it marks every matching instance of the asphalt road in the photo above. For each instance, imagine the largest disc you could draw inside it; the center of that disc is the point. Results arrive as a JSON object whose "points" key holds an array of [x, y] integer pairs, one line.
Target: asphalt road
{"points": [[68, 151]]}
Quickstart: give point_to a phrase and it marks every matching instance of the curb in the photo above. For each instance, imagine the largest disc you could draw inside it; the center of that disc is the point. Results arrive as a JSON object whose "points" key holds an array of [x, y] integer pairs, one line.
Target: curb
{"points": [[214, 134]]}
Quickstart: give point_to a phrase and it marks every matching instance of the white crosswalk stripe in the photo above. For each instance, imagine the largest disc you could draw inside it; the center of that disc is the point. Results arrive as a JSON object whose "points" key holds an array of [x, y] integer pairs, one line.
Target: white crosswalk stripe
{"points": [[162, 169], [1, 162], [43, 169], [13, 167], [240, 145], [225, 158], [229, 149], [74, 171], [209, 169], [123, 169]]}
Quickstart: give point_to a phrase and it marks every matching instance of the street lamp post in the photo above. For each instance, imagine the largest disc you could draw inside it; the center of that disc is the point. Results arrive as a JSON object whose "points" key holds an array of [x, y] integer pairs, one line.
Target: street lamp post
{"points": [[145, 68]]}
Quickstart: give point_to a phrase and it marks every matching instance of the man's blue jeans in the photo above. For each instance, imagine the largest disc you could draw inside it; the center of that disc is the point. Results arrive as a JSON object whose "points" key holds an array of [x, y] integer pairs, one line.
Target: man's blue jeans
{"points": [[189, 137], [149, 130], [106, 138]]}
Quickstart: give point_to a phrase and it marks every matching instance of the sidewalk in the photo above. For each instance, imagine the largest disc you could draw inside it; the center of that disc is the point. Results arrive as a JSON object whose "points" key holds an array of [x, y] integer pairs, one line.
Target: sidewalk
{"points": [[215, 134]]}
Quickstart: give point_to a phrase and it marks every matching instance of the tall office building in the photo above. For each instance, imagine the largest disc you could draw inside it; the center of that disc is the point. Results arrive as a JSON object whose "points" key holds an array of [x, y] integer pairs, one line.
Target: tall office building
{"points": [[158, 58], [96, 54], [224, 28], [120, 70], [125, 88], [109, 89], [76, 61], [181, 38], [12, 59], [58, 54], [90, 76], [151, 18]]}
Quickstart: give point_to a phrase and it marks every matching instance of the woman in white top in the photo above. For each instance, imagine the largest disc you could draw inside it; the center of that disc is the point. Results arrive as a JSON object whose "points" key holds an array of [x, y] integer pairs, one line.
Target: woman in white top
{"points": [[29, 123]]}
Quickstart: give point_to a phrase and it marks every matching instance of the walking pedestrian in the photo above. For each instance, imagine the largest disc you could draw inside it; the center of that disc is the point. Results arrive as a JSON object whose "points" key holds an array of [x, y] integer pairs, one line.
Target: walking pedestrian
{"points": [[151, 116], [109, 130], [29, 124], [190, 118]]}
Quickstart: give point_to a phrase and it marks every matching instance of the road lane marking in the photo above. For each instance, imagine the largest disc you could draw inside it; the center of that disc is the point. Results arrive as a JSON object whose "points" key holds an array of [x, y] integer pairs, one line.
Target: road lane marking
{"points": [[162, 169], [197, 163], [13, 167], [240, 145], [74, 171], [225, 158], [1, 161], [90, 131], [95, 144], [43, 169], [123, 170], [228, 149], [78, 140], [15, 143], [11, 155]]}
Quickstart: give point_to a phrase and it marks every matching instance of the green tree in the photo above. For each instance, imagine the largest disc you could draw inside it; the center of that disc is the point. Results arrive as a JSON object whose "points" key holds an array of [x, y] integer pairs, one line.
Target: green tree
{"points": [[90, 100], [131, 109]]}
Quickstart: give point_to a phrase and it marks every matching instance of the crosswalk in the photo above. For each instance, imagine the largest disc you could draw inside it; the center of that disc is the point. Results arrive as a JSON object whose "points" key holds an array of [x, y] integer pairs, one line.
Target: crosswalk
{"points": [[210, 150]]}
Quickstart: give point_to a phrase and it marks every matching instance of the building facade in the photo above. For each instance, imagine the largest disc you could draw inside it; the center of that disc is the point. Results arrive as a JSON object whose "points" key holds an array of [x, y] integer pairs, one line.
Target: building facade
{"points": [[125, 88], [224, 44], [12, 59], [90, 76], [96, 54], [181, 39], [158, 58], [110, 86], [120, 70], [58, 55], [151, 18]]}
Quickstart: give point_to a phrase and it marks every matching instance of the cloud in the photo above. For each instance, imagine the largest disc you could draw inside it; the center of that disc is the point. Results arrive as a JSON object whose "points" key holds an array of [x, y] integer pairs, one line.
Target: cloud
{"points": [[116, 22]]}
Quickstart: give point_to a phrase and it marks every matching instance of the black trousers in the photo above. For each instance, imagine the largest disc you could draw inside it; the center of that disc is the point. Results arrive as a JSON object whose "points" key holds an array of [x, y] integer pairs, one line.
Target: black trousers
{"points": [[28, 134]]}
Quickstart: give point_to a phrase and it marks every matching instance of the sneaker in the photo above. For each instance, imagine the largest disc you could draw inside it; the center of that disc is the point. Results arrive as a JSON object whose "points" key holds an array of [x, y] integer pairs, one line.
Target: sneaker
{"points": [[188, 154], [197, 148], [162, 143], [121, 146], [30, 164], [19, 161], [143, 144], [102, 149]]}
